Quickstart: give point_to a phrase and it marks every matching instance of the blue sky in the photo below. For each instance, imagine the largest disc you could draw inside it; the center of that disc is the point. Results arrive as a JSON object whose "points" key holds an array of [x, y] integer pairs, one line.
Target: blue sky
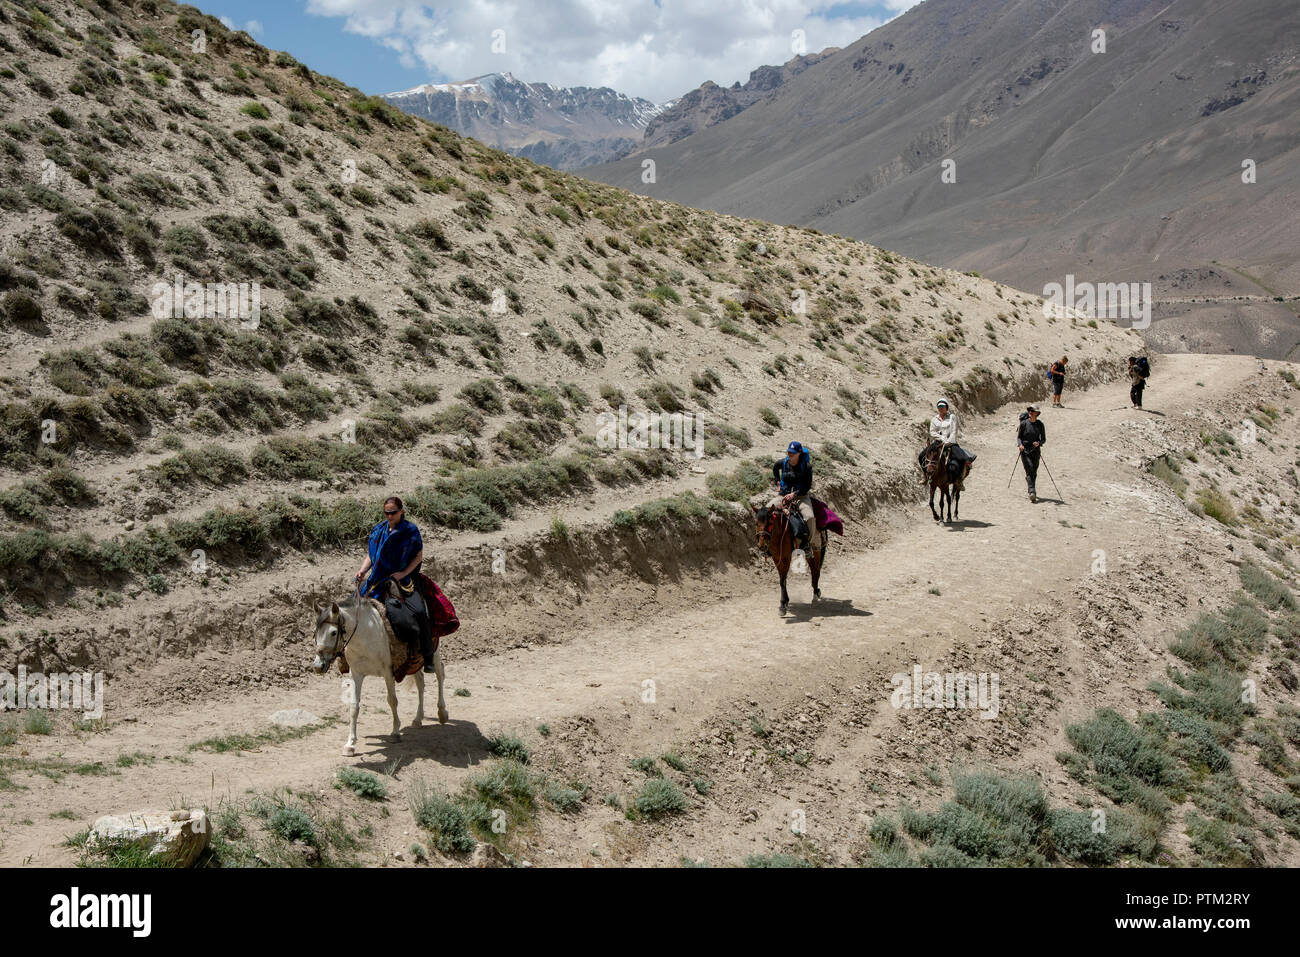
{"points": [[651, 48]]}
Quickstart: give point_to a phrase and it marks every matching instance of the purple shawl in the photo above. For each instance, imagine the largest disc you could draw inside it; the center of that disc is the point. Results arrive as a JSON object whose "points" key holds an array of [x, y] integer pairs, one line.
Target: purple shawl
{"points": [[826, 518]]}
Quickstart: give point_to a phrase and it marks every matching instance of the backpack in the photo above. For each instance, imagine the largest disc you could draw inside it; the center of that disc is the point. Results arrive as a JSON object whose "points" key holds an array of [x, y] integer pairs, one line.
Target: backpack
{"points": [[1143, 367], [442, 614]]}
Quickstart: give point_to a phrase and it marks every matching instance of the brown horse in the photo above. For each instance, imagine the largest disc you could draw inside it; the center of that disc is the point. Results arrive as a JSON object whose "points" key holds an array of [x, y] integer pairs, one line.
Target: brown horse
{"points": [[945, 475], [776, 537]]}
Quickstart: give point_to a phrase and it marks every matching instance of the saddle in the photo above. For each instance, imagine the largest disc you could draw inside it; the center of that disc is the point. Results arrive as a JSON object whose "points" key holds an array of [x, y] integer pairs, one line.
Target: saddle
{"points": [[403, 630], [944, 464], [406, 658]]}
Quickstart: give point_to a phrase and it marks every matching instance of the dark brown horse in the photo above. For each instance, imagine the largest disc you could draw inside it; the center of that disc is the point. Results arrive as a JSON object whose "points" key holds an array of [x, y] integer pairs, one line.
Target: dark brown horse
{"points": [[776, 537], [945, 475]]}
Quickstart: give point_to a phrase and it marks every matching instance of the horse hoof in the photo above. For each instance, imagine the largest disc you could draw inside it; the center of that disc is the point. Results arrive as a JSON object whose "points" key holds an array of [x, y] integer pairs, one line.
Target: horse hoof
{"points": [[782, 609], [417, 723], [394, 738], [817, 593], [349, 751], [442, 716]]}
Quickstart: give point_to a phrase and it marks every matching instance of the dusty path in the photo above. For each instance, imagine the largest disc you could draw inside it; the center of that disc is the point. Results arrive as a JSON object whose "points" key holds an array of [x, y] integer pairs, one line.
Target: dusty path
{"points": [[704, 651]]}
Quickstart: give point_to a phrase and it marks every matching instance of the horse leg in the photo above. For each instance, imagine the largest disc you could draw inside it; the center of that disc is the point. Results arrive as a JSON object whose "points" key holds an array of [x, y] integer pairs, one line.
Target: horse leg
{"points": [[419, 710], [783, 569], [815, 566], [350, 748], [937, 516], [956, 504], [442, 704], [392, 704]]}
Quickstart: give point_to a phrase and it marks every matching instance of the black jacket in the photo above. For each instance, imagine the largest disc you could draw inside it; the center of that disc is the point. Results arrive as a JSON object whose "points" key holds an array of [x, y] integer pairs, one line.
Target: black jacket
{"points": [[1030, 432], [797, 479]]}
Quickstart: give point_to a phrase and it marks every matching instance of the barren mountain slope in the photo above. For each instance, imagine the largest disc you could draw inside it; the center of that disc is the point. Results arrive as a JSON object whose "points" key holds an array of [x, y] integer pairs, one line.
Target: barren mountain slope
{"points": [[1119, 166]]}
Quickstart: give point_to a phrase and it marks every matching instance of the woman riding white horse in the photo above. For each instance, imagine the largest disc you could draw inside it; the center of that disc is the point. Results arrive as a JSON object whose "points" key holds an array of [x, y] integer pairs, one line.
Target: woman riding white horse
{"points": [[356, 632]]}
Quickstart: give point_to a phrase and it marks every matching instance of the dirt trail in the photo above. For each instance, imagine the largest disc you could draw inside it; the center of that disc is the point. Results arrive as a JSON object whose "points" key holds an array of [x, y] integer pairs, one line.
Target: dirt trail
{"points": [[704, 651]]}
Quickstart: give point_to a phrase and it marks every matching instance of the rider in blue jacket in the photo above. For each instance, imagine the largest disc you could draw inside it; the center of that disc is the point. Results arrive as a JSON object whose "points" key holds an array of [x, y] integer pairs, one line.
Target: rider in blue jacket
{"points": [[793, 474]]}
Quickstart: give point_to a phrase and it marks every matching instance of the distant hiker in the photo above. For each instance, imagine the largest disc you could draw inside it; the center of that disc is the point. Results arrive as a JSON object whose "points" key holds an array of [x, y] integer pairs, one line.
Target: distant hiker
{"points": [[945, 429], [1031, 436], [394, 552], [1139, 368], [1056, 373], [793, 474]]}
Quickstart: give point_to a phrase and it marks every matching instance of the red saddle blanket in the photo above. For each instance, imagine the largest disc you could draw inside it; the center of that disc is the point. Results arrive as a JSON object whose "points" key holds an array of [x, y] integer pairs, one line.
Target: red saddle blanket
{"points": [[442, 614]]}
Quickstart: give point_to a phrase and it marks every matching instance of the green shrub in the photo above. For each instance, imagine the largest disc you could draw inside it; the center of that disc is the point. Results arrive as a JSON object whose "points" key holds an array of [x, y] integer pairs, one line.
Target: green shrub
{"points": [[659, 797], [445, 821], [508, 746], [1074, 838], [1264, 586], [1217, 505], [20, 309], [292, 824], [362, 783]]}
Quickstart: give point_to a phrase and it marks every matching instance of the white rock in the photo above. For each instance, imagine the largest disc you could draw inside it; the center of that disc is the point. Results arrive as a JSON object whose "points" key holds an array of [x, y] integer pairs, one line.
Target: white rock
{"points": [[180, 836]]}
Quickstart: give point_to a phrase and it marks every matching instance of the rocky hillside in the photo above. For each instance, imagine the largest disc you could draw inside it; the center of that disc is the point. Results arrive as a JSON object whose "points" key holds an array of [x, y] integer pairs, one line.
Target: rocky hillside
{"points": [[1009, 137], [565, 128], [709, 104]]}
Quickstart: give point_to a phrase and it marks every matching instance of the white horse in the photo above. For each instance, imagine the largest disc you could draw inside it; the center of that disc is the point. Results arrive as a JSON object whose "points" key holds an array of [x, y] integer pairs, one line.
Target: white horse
{"points": [[360, 632]]}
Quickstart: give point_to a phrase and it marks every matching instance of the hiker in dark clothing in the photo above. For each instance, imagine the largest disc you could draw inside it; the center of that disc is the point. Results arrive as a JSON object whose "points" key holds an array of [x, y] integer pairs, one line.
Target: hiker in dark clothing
{"points": [[1057, 374], [1137, 368], [1031, 436]]}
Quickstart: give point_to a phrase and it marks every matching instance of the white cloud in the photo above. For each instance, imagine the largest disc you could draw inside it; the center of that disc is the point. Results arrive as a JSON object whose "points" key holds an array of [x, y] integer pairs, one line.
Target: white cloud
{"points": [[655, 51], [252, 27]]}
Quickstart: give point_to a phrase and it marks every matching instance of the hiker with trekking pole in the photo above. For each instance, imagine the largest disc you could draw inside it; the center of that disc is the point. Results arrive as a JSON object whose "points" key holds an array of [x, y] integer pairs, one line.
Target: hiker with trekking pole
{"points": [[1031, 436]]}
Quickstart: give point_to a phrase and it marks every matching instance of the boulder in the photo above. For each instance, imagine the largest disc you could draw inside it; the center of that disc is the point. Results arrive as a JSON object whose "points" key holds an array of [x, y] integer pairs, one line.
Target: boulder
{"points": [[178, 836], [486, 855]]}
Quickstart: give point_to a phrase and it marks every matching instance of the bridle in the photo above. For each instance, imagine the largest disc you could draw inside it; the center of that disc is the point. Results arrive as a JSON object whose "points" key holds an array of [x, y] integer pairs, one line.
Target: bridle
{"points": [[766, 530], [340, 648]]}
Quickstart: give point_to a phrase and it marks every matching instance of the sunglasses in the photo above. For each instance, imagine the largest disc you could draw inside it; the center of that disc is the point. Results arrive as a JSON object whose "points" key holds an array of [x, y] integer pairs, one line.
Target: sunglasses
{"points": [[394, 512]]}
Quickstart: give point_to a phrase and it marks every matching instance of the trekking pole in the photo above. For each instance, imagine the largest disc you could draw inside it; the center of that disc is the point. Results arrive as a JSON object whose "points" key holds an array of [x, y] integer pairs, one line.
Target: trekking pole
{"points": [[1043, 459], [1013, 469]]}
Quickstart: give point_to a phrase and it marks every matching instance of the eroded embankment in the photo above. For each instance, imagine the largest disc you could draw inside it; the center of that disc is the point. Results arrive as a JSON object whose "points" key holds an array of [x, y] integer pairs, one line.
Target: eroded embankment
{"points": [[537, 587]]}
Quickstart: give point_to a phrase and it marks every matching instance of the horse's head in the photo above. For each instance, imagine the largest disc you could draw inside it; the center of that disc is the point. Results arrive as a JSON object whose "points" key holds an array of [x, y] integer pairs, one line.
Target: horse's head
{"points": [[932, 453], [329, 637], [763, 521]]}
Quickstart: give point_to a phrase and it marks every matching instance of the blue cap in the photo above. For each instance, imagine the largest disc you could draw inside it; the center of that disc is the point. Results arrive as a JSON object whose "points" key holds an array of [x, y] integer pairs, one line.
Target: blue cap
{"points": [[794, 447]]}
